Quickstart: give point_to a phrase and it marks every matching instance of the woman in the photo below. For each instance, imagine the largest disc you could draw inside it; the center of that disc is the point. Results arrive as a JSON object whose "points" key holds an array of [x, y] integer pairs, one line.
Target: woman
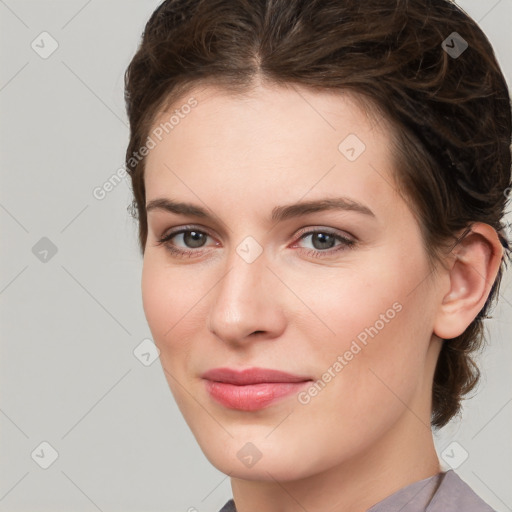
{"points": [[320, 188]]}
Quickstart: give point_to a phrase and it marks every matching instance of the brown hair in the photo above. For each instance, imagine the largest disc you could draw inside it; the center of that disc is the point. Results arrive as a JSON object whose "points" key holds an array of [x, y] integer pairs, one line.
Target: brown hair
{"points": [[450, 111]]}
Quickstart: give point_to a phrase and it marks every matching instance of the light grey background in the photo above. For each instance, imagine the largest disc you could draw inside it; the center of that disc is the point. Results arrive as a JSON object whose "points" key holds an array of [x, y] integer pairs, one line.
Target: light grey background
{"points": [[70, 325]]}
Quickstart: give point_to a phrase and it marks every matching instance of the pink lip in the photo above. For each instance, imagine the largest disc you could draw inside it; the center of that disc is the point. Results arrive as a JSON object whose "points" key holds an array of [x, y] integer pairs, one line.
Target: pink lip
{"points": [[251, 389]]}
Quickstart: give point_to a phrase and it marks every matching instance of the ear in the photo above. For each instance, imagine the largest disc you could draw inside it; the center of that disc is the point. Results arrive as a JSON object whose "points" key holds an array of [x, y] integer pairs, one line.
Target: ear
{"points": [[473, 268]]}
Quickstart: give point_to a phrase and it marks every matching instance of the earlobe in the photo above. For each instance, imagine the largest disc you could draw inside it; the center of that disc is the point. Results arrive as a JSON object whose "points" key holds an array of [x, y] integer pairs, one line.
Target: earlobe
{"points": [[475, 265]]}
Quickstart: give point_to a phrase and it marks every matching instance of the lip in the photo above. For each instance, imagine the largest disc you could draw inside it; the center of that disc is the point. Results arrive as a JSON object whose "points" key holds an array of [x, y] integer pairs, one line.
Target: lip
{"points": [[251, 376], [251, 389]]}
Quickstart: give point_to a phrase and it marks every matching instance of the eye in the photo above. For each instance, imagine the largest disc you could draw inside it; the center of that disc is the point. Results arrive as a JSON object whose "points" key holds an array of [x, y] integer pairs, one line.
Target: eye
{"points": [[324, 242], [192, 238]]}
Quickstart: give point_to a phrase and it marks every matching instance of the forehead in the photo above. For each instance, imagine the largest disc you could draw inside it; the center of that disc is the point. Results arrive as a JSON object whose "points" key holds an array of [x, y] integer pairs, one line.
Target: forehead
{"points": [[267, 111], [269, 142]]}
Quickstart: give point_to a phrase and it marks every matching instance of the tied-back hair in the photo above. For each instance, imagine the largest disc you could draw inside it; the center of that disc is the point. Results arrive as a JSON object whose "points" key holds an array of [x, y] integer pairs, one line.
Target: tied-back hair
{"points": [[450, 113]]}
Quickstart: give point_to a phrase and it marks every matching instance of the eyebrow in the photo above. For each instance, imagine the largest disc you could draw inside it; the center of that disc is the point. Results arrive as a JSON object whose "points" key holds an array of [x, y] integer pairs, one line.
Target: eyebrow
{"points": [[279, 213]]}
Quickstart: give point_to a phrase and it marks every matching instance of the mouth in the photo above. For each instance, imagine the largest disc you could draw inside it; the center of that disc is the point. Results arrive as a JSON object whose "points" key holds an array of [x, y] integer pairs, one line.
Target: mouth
{"points": [[251, 389]]}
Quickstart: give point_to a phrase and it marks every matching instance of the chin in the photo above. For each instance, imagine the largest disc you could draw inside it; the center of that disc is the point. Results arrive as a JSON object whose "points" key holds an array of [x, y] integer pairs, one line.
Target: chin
{"points": [[261, 459]]}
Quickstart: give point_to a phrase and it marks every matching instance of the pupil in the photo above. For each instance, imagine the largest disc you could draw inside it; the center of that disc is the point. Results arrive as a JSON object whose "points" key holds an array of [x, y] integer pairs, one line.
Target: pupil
{"points": [[193, 238], [324, 240]]}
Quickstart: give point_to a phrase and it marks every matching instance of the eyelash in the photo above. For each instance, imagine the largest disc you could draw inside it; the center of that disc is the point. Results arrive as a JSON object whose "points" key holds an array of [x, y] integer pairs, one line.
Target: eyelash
{"points": [[346, 244]]}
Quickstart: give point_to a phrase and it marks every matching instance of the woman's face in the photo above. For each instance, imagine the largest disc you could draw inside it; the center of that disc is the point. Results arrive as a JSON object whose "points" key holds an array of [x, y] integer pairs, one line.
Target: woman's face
{"points": [[267, 276]]}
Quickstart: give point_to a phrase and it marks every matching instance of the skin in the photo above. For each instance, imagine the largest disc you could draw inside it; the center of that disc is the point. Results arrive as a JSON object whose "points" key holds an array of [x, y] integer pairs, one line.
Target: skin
{"points": [[367, 433]]}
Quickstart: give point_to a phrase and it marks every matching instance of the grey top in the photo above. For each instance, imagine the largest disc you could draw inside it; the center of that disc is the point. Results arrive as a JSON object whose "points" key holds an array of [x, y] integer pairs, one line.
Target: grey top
{"points": [[439, 493]]}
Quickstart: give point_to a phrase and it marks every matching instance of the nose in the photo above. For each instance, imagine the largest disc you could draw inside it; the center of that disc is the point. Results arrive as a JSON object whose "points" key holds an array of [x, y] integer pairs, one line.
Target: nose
{"points": [[245, 304]]}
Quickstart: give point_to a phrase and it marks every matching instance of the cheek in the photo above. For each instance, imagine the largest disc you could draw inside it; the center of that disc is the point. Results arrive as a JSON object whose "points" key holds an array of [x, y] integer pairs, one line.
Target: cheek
{"points": [[375, 315], [365, 296], [168, 302], [364, 383], [155, 298], [167, 297]]}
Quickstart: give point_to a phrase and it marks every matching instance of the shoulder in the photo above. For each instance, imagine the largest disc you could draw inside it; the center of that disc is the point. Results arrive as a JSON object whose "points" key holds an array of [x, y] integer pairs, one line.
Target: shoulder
{"points": [[455, 494], [452, 494], [228, 507]]}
